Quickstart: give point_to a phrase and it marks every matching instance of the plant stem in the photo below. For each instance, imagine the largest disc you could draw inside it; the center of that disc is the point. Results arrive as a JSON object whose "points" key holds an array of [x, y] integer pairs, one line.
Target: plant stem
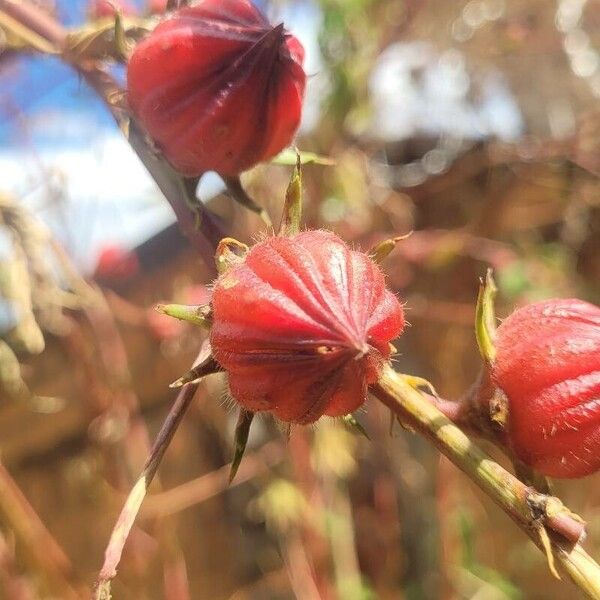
{"points": [[514, 497], [129, 512]]}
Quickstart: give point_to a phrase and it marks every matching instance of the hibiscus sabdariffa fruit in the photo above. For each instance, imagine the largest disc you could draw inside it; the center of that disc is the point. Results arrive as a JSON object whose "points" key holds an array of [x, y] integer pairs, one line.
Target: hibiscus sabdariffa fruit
{"points": [[548, 366], [302, 325], [217, 87]]}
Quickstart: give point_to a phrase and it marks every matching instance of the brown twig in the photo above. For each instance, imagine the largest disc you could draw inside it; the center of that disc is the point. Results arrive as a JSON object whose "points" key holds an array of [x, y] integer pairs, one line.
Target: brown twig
{"points": [[118, 538], [41, 551], [135, 444], [14, 585]]}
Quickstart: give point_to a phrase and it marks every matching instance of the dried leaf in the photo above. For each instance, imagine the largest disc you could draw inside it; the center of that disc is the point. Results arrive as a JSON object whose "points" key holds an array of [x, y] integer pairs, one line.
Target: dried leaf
{"points": [[229, 253]]}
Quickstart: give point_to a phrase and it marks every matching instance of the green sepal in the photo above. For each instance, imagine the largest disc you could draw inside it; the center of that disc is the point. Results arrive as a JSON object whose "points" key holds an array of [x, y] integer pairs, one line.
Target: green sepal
{"points": [[352, 423], [199, 370], [292, 209], [121, 46], [242, 430], [192, 376], [485, 318], [239, 194], [383, 249], [195, 314]]}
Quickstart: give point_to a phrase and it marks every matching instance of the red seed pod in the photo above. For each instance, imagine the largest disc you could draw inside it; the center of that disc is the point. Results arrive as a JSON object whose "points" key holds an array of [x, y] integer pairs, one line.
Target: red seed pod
{"points": [[302, 326], [548, 365], [217, 87]]}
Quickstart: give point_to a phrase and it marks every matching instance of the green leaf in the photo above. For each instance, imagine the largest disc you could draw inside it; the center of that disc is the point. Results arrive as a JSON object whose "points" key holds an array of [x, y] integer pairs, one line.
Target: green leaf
{"points": [[485, 318]]}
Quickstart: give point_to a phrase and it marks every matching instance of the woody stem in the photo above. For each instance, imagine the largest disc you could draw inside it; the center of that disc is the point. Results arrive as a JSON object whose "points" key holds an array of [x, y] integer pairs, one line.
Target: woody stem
{"points": [[513, 496]]}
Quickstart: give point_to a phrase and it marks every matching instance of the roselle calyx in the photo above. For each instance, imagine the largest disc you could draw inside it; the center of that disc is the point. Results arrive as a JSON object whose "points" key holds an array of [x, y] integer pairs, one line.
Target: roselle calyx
{"points": [[217, 87], [301, 323], [547, 366], [302, 326]]}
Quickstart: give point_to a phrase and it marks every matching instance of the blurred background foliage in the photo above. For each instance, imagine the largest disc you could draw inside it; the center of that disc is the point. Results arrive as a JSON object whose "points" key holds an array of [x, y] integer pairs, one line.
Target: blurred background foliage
{"points": [[475, 124]]}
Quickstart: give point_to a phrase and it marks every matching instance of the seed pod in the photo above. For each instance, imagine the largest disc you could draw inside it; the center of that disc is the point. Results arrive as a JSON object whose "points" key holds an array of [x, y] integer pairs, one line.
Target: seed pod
{"points": [[303, 326], [548, 366], [217, 87]]}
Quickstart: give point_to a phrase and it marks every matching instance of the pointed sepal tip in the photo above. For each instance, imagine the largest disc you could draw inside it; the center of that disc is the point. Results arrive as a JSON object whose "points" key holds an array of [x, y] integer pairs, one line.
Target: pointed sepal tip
{"points": [[382, 250], [195, 314], [485, 318], [242, 430], [353, 423], [292, 208]]}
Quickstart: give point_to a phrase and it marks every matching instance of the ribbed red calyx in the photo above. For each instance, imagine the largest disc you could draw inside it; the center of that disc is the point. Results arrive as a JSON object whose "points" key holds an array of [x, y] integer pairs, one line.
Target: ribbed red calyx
{"points": [[302, 326], [217, 87], [548, 365]]}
